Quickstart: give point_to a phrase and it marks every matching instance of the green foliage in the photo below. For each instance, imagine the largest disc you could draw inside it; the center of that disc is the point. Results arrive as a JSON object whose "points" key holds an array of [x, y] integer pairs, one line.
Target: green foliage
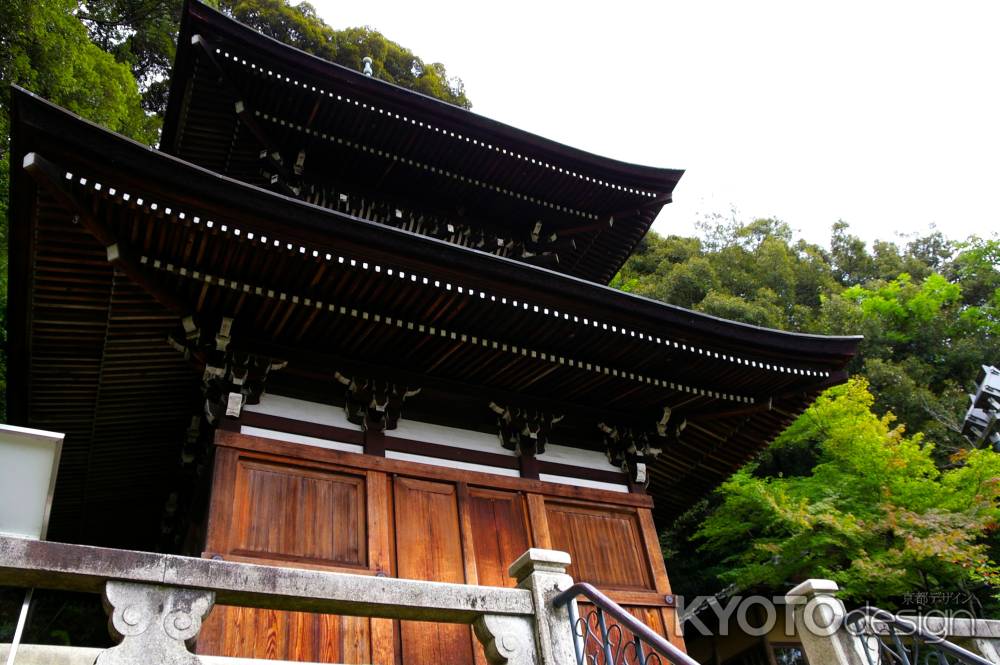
{"points": [[396, 64], [143, 34], [46, 49], [752, 273], [874, 513], [924, 342], [843, 493], [929, 312]]}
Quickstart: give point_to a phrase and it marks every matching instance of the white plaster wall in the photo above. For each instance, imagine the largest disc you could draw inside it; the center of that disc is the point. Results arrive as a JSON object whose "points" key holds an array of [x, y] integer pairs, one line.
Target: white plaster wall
{"points": [[324, 414], [299, 409], [305, 440]]}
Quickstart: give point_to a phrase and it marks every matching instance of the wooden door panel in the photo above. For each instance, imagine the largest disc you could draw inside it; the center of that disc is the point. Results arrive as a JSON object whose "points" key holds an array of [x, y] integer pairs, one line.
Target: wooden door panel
{"points": [[289, 514], [299, 515], [604, 542], [270, 634], [499, 533], [429, 547]]}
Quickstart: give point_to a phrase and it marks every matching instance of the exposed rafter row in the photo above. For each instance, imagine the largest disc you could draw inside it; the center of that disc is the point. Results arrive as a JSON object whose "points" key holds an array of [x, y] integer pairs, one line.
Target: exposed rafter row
{"points": [[185, 218], [329, 94], [514, 349], [339, 140]]}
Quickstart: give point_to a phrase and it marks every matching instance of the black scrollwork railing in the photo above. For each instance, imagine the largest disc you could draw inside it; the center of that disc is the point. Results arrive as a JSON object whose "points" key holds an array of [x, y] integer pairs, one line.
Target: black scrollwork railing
{"points": [[888, 639], [626, 641]]}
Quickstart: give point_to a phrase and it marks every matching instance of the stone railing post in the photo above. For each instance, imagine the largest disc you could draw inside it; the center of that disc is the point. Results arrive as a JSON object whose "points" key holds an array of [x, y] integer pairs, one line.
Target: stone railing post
{"points": [[153, 623], [819, 623], [543, 573]]}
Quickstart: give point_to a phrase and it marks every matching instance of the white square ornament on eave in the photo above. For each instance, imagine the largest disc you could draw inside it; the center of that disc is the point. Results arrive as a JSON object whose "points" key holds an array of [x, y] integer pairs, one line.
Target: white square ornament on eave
{"points": [[29, 460]]}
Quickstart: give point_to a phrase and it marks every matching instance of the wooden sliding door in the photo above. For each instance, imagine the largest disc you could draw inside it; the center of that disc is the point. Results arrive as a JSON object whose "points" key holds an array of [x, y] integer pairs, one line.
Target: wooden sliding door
{"points": [[616, 549], [429, 547], [291, 505], [275, 512]]}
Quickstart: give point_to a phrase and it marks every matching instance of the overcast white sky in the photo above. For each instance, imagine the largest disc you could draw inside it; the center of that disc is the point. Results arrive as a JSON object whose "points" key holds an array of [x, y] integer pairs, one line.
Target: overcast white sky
{"points": [[885, 114]]}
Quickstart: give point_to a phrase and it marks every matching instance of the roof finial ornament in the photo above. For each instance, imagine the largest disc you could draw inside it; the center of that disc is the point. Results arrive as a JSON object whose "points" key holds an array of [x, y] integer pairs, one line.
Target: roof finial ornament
{"points": [[367, 67]]}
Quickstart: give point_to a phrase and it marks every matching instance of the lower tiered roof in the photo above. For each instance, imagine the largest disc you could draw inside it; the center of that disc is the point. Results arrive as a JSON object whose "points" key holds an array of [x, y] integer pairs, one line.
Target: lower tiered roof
{"points": [[113, 245]]}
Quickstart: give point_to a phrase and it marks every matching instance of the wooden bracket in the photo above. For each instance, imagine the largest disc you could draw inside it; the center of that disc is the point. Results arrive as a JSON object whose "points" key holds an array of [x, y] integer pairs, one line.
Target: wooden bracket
{"points": [[374, 404]]}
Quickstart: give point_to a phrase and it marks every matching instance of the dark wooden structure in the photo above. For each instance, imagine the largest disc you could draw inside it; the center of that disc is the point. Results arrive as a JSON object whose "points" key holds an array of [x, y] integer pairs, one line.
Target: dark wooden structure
{"points": [[333, 323]]}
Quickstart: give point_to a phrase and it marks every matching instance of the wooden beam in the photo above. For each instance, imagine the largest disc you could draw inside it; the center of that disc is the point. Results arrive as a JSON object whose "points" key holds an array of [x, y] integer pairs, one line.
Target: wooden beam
{"points": [[321, 365], [243, 114], [269, 448]]}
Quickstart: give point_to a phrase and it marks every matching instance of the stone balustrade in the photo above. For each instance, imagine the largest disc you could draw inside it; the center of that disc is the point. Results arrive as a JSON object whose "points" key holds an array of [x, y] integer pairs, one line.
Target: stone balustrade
{"points": [[831, 635], [157, 602]]}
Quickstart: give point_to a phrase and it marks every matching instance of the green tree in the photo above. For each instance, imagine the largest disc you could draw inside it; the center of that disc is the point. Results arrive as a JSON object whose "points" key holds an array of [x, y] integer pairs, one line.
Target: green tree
{"points": [[924, 342], [752, 272], [143, 34], [45, 48], [875, 513]]}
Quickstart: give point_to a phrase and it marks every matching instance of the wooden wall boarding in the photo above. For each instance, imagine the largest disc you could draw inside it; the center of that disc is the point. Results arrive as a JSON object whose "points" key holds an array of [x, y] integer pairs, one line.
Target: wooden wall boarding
{"points": [[287, 504]]}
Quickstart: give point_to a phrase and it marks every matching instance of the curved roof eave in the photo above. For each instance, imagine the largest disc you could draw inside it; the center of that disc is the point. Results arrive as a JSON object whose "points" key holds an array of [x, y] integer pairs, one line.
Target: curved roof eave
{"points": [[198, 16], [172, 174]]}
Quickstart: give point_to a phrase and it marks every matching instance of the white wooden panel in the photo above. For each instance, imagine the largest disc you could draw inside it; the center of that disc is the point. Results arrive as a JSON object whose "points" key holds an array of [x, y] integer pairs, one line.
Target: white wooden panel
{"points": [[451, 464], [298, 438], [580, 482], [29, 460], [590, 459], [449, 436], [299, 409]]}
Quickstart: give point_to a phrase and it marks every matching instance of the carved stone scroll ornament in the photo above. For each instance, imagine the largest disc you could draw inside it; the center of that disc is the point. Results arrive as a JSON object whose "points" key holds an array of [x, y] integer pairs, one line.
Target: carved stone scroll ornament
{"points": [[507, 640], [524, 431], [154, 624], [374, 404]]}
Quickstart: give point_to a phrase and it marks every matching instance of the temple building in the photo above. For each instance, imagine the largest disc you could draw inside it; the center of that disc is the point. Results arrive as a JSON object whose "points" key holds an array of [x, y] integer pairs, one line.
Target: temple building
{"points": [[332, 323]]}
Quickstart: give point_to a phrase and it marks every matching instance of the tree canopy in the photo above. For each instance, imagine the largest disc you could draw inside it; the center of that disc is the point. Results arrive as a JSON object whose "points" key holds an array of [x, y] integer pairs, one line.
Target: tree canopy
{"points": [[143, 35], [874, 513], [874, 485]]}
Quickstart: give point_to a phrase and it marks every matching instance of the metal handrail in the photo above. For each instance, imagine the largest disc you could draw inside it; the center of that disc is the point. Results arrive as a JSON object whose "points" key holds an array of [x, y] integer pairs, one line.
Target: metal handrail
{"points": [[897, 625], [642, 633]]}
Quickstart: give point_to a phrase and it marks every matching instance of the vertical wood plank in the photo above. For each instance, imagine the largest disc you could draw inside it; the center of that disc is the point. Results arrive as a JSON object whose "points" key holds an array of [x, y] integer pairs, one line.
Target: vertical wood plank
{"points": [[383, 640], [214, 632], [673, 629], [220, 503], [468, 535], [469, 557], [658, 566], [604, 542], [539, 522], [651, 544], [428, 547]]}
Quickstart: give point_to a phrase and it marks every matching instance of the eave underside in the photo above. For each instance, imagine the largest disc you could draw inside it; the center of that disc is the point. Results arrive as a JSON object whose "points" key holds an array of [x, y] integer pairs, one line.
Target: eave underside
{"points": [[98, 364], [376, 140]]}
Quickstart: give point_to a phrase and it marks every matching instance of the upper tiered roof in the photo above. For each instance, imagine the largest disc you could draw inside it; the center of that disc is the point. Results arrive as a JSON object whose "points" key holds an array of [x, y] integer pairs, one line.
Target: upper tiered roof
{"points": [[244, 105]]}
